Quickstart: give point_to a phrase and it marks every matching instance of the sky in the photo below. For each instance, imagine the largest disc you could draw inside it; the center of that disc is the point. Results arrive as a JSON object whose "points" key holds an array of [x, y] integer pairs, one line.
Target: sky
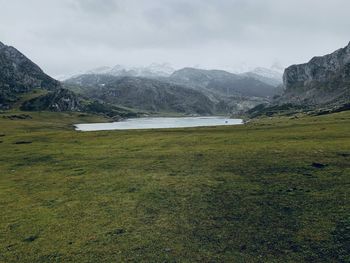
{"points": [[69, 36]]}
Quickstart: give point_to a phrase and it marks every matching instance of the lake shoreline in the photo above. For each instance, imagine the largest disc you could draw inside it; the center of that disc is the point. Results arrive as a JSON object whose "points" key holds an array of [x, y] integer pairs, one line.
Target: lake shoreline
{"points": [[160, 123]]}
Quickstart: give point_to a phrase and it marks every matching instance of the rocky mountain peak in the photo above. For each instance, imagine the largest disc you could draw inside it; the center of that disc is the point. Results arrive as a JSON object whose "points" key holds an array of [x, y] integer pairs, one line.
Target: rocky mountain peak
{"points": [[19, 75], [318, 70], [323, 80], [20, 72]]}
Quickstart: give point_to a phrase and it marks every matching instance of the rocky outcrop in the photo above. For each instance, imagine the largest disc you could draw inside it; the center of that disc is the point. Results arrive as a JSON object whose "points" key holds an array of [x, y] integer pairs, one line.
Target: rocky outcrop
{"points": [[322, 80], [62, 100], [320, 86], [59, 100], [318, 69], [19, 75]]}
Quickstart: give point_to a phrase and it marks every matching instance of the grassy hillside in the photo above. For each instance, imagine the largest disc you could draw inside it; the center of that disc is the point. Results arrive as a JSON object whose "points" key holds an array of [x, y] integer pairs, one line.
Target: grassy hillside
{"points": [[271, 191]]}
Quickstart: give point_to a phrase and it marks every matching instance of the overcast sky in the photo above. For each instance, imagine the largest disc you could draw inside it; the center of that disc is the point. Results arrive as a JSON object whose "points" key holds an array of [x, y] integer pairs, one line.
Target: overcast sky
{"points": [[68, 36]]}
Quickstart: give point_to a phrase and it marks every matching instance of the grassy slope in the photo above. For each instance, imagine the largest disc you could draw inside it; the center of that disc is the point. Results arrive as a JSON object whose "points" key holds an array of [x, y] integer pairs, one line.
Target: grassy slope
{"points": [[226, 194], [28, 96]]}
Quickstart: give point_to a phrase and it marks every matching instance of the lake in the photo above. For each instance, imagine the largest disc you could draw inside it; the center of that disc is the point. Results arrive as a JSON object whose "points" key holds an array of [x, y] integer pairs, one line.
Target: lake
{"points": [[159, 123]]}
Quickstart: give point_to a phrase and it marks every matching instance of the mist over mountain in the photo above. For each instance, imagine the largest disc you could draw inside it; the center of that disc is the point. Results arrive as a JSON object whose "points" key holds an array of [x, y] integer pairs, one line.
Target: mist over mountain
{"points": [[261, 82], [267, 76], [272, 76], [222, 82], [154, 70], [156, 88], [219, 91]]}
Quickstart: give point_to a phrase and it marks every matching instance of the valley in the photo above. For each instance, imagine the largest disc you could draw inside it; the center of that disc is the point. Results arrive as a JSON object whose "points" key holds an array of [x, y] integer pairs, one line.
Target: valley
{"points": [[275, 189], [170, 195]]}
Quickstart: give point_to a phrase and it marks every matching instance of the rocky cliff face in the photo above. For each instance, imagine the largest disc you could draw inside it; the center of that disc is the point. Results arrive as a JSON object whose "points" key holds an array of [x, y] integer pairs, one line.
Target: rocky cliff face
{"points": [[59, 100], [322, 80], [62, 100], [20, 75], [320, 86]]}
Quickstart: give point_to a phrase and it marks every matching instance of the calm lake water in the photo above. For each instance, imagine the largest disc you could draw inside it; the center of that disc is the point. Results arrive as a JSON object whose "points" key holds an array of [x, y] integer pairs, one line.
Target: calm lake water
{"points": [[159, 123]]}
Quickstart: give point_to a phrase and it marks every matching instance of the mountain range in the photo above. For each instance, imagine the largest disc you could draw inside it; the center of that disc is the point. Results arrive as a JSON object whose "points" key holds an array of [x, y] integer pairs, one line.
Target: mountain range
{"points": [[321, 85], [222, 82], [271, 77], [188, 90], [267, 76], [152, 71], [24, 85]]}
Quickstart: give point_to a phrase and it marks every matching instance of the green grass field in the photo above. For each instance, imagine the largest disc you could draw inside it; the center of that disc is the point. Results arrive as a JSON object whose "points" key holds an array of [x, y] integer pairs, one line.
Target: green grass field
{"points": [[222, 194]]}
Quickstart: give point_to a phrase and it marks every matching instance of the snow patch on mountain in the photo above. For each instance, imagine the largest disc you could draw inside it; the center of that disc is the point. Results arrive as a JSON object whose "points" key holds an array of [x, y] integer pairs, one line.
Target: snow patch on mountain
{"points": [[152, 71]]}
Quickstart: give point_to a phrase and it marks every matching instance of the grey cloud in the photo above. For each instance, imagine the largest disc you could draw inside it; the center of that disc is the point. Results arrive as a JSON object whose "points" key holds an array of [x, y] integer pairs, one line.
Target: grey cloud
{"points": [[95, 7], [66, 36]]}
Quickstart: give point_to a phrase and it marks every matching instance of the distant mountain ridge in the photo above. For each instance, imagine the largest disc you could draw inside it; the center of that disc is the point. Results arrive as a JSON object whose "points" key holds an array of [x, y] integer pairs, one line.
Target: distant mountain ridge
{"points": [[154, 70], [118, 90], [260, 82], [222, 82], [142, 93], [220, 92], [267, 76]]}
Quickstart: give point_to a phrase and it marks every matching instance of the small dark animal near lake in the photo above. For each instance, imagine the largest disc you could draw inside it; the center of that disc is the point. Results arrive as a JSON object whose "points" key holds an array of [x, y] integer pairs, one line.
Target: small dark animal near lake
{"points": [[319, 165]]}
